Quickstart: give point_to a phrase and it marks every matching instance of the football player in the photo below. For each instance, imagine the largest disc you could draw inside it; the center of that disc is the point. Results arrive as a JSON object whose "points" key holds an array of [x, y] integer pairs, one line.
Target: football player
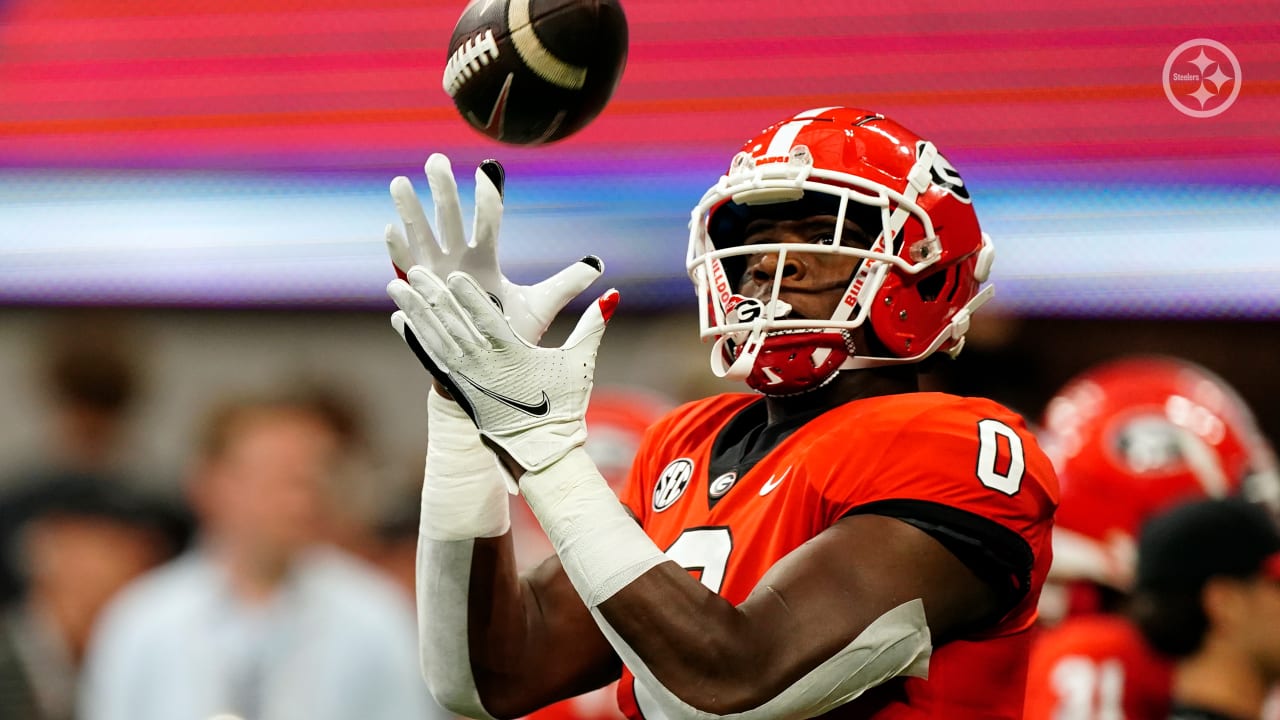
{"points": [[836, 543], [1129, 438]]}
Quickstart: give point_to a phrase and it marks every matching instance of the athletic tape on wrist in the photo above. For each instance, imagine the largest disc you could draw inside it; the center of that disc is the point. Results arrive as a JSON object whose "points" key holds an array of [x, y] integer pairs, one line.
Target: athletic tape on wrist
{"points": [[463, 494], [600, 545]]}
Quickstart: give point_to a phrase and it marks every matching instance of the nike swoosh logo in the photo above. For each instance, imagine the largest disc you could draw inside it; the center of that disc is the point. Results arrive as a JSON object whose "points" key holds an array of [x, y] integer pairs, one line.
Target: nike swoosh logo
{"points": [[542, 408], [770, 484]]}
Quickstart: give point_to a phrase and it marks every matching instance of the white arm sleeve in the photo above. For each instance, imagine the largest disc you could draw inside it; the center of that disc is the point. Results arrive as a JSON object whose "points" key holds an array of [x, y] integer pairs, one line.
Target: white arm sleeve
{"points": [[463, 498], [603, 550]]}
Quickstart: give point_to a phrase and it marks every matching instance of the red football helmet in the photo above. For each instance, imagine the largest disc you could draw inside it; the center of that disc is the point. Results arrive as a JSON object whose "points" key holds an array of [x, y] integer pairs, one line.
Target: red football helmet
{"points": [[917, 283], [1134, 436]]}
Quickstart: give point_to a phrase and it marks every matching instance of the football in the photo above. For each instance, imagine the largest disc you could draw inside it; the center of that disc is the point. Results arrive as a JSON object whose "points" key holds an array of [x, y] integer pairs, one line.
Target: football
{"points": [[527, 72]]}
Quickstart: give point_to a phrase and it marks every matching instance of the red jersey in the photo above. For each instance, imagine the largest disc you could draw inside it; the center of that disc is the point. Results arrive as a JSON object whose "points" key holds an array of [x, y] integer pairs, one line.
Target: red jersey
{"points": [[1096, 667], [599, 704], [958, 468]]}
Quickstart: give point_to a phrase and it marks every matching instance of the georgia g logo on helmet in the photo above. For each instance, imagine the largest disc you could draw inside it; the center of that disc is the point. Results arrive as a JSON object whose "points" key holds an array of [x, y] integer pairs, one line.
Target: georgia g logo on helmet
{"points": [[946, 176]]}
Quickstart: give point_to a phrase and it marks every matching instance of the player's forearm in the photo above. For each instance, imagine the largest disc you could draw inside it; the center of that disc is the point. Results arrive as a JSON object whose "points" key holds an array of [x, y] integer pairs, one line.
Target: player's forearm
{"points": [[532, 641], [493, 643], [498, 628], [507, 635], [463, 505], [708, 652]]}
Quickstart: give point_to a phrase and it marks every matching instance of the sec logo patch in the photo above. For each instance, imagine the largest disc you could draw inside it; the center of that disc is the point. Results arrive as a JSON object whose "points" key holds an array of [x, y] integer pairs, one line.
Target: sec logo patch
{"points": [[672, 483]]}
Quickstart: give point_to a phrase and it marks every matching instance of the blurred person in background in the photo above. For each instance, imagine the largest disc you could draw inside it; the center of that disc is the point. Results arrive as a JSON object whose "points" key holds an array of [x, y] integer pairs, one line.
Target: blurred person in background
{"points": [[81, 541], [357, 495], [261, 619], [1208, 595], [90, 382], [1129, 438]]}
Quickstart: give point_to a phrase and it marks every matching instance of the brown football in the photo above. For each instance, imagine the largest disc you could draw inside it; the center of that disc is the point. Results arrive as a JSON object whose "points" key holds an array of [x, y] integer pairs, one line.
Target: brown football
{"points": [[527, 72]]}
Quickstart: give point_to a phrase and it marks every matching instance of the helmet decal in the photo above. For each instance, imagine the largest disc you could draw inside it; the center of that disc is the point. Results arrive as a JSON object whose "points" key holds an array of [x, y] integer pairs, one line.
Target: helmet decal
{"points": [[946, 176], [1133, 436]]}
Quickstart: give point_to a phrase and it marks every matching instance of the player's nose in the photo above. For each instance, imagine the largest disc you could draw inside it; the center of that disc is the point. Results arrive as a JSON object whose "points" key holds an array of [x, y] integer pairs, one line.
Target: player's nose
{"points": [[765, 267]]}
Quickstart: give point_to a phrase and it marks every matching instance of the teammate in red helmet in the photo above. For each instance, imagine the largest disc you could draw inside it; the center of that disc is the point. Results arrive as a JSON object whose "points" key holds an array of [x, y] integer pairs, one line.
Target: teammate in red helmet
{"points": [[1129, 438]]}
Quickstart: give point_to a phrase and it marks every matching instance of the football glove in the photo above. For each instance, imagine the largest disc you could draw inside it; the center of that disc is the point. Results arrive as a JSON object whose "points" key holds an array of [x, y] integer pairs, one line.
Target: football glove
{"points": [[529, 401], [529, 309]]}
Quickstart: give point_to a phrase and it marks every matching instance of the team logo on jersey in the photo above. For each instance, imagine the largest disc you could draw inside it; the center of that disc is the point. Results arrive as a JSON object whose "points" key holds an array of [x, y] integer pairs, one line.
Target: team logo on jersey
{"points": [[720, 486], [672, 483]]}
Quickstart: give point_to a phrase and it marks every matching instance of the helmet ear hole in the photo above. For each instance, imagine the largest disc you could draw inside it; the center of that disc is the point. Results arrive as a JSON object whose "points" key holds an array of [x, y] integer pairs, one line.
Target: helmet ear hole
{"points": [[931, 287]]}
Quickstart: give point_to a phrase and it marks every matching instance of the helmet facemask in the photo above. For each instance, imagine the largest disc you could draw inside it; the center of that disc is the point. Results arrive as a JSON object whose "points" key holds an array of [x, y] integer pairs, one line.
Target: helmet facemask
{"points": [[755, 339]]}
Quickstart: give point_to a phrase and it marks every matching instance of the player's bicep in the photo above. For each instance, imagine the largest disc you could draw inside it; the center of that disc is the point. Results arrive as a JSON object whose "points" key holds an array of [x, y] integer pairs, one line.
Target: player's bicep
{"points": [[996, 555], [571, 628], [822, 595]]}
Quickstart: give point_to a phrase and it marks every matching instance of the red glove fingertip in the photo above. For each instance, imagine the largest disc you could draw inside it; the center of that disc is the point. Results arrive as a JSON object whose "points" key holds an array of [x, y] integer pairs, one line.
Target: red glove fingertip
{"points": [[608, 303]]}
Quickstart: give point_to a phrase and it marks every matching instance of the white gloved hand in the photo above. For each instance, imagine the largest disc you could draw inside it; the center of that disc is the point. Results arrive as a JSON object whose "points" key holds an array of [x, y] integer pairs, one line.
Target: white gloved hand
{"points": [[529, 309], [527, 400]]}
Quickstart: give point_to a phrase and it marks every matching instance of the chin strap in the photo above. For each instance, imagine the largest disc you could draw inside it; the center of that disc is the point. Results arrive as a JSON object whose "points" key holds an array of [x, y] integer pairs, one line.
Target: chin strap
{"points": [[745, 350], [749, 350], [744, 357]]}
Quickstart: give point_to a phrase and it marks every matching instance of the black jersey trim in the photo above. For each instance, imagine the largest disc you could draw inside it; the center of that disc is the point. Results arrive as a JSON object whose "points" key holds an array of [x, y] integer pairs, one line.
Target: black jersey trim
{"points": [[998, 556], [734, 442], [748, 437]]}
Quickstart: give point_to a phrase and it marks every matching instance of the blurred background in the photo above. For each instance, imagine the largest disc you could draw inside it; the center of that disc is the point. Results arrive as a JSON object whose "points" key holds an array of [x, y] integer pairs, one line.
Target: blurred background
{"points": [[193, 196]]}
